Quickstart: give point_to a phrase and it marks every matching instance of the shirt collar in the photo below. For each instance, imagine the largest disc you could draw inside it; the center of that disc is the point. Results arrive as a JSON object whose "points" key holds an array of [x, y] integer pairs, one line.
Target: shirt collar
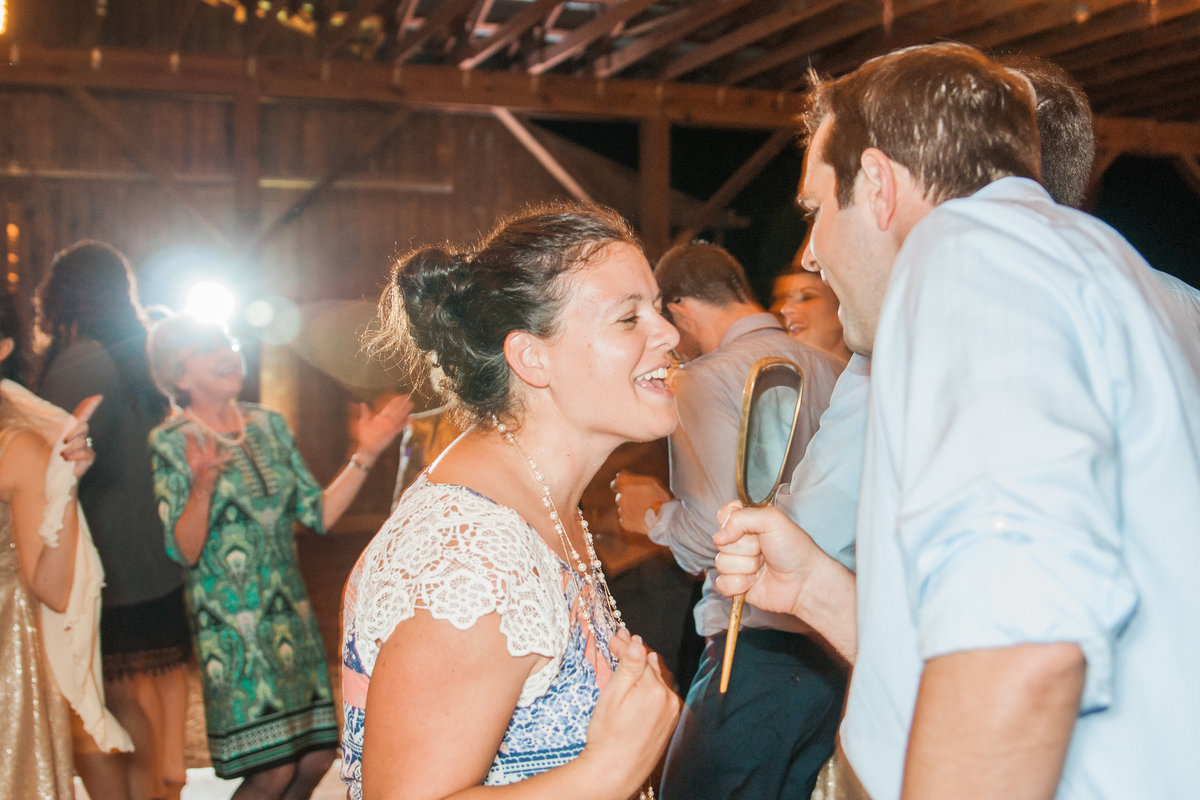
{"points": [[749, 324]]}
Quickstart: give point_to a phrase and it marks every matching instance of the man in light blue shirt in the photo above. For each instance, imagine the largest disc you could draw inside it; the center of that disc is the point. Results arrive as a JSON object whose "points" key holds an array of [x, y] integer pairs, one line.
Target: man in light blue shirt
{"points": [[1032, 483]]}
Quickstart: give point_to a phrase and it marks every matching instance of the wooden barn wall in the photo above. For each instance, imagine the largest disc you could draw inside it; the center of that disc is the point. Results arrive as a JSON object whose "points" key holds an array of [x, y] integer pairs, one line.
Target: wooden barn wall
{"points": [[440, 177]]}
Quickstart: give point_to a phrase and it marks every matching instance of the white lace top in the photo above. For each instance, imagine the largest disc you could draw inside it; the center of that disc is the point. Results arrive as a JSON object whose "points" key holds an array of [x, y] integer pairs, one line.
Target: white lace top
{"points": [[460, 556]]}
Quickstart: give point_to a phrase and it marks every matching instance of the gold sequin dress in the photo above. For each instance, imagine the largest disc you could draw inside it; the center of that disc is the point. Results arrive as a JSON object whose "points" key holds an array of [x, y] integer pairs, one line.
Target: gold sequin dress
{"points": [[35, 723]]}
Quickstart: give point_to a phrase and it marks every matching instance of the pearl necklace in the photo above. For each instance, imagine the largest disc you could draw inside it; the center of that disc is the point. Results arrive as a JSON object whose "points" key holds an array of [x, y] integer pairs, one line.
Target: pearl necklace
{"points": [[223, 438], [593, 577]]}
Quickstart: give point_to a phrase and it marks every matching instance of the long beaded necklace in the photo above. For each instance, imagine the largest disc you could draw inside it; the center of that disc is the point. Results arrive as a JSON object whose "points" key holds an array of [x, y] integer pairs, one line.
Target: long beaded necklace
{"points": [[223, 438], [594, 578]]}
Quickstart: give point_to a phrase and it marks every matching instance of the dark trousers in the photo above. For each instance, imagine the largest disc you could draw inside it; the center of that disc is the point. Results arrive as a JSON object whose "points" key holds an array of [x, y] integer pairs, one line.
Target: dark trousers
{"points": [[769, 734]]}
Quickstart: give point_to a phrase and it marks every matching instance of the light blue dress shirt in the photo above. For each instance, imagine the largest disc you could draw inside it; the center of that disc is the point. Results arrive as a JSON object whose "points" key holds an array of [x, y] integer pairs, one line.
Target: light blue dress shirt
{"points": [[822, 495], [1032, 474]]}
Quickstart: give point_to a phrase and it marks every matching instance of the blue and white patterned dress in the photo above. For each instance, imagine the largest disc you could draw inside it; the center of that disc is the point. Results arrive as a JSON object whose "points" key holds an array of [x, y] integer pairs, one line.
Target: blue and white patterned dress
{"points": [[456, 554]]}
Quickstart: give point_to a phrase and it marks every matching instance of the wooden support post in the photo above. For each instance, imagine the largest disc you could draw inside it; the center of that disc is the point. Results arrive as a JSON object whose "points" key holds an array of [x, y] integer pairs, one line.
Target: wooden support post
{"points": [[247, 168], [535, 148], [654, 185]]}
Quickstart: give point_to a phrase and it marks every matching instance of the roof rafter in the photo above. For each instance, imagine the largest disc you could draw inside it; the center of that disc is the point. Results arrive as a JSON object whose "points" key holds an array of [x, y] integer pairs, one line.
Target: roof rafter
{"points": [[744, 35], [509, 32], [444, 16], [677, 25], [602, 25], [814, 38], [1101, 29]]}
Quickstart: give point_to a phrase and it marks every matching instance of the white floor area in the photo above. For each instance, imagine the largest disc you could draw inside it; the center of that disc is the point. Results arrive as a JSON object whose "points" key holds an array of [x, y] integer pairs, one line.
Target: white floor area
{"points": [[202, 784]]}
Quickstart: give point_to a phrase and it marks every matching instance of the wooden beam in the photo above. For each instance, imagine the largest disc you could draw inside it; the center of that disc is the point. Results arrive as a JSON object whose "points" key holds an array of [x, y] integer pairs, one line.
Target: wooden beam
{"points": [[747, 34], [1189, 169], [1034, 20], [1147, 137], [855, 20], [1159, 55], [351, 163], [1090, 41], [258, 26], [354, 18], [247, 167], [1175, 67], [422, 86], [543, 156], [735, 183], [444, 16], [1175, 99], [955, 22], [677, 25], [187, 12], [576, 42], [509, 32], [654, 185], [143, 158]]}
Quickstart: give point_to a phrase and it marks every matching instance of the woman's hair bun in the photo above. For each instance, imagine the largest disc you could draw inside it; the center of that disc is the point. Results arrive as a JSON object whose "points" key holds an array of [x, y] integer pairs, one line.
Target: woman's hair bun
{"points": [[453, 308]]}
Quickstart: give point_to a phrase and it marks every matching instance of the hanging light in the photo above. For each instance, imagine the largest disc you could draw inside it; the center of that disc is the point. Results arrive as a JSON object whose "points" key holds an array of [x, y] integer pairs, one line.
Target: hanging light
{"points": [[3, 17]]}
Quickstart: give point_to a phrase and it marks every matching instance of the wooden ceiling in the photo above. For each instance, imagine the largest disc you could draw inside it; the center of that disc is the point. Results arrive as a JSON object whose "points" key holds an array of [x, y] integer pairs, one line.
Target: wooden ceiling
{"points": [[703, 63], [1136, 58]]}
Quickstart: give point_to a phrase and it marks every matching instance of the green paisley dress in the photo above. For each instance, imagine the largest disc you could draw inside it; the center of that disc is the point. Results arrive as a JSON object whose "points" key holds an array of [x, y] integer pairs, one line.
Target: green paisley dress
{"points": [[267, 697]]}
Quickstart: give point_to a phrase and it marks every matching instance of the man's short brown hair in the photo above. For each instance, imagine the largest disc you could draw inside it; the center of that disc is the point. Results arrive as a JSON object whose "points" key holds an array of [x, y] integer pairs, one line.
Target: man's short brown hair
{"points": [[955, 119], [704, 272]]}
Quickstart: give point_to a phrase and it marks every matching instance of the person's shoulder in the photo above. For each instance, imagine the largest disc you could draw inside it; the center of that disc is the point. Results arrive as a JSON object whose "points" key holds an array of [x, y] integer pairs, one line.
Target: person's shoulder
{"points": [[171, 426], [84, 361]]}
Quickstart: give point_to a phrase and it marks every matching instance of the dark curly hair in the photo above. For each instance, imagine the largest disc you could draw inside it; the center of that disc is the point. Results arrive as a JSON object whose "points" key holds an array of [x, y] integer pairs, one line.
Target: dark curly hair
{"points": [[452, 307], [90, 288], [13, 367]]}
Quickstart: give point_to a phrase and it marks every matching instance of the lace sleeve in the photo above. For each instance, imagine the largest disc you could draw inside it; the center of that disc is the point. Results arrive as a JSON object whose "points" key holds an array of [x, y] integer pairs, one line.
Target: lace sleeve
{"points": [[460, 556]]}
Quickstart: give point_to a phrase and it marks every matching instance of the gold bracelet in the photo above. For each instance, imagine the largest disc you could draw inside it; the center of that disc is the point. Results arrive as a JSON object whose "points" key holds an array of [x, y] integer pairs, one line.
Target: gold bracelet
{"points": [[354, 462]]}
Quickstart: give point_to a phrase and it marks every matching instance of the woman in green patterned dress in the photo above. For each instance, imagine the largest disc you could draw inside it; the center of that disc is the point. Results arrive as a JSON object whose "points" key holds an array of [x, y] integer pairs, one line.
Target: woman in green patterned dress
{"points": [[230, 484]]}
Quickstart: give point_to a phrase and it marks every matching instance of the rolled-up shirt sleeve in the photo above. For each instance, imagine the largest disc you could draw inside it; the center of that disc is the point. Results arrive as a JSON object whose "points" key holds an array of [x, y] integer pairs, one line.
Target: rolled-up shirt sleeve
{"points": [[1009, 524], [703, 452]]}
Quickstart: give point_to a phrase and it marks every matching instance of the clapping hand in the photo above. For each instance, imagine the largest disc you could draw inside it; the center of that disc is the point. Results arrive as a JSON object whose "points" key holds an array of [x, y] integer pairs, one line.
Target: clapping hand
{"points": [[372, 433], [205, 459]]}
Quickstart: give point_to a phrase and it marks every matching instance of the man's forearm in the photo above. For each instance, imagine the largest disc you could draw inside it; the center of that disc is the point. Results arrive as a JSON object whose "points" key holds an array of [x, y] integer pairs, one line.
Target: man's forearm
{"points": [[994, 723], [828, 602]]}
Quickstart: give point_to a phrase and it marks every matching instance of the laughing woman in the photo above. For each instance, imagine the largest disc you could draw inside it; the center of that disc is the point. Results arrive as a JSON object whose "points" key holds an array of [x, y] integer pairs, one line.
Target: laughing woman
{"points": [[482, 652], [230, 484]]}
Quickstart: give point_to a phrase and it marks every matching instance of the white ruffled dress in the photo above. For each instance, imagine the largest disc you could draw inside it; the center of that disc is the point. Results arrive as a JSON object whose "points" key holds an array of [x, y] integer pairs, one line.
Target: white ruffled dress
{"points": [[459, 556]]}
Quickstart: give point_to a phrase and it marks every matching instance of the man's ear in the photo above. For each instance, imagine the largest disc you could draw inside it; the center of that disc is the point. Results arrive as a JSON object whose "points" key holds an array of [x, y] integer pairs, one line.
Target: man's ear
{"points": [[879, 184], [7, 345], [681, 316], [527, 358]]}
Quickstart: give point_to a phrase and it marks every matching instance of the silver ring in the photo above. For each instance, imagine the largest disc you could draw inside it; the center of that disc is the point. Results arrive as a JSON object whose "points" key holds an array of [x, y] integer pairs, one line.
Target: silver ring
{"points": [[88, 442]]}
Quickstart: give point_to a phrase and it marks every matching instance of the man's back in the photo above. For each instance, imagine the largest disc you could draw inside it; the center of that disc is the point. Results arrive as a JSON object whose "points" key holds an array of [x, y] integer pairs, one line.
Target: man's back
{"points": [[1032, 475], [704, 448]]}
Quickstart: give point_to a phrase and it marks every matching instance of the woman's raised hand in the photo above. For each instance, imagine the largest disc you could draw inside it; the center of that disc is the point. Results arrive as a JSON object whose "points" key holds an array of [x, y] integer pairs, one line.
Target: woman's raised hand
{"points": [[633, 719], [205, 459], [77, 445], [372, 433]]}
